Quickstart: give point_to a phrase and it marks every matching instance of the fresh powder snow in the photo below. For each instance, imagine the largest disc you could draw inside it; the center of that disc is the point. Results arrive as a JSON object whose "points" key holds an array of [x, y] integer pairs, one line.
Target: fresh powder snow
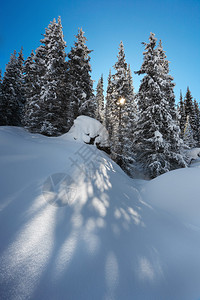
{"points": [[86, 129], [75, 226]]}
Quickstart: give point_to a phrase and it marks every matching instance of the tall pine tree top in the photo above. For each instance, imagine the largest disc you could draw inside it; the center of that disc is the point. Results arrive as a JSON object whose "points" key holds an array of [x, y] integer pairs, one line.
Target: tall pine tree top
{"points": [[157, 142], [120, 80], [12, 91], [47, 105], [100, 101], [80, 84]]}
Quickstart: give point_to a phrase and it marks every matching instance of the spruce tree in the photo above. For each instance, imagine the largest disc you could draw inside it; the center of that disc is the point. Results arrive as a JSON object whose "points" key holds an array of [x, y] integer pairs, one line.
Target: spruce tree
{"points": [[188, 134], [120, 90], [100, 101], [182, 117], [130, 118], [157, 142], [197, 123], [121, 111], [31, 90], [48, 107], [21, 91], [35, 69], [12, 92], [189, 111], [167, 84], [1, 101], [79, 82], [108, 111]]}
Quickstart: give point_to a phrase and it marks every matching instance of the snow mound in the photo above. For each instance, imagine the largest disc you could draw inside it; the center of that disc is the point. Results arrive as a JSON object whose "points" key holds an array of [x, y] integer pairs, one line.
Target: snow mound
{"points": [[178, 193], [89, 131]]}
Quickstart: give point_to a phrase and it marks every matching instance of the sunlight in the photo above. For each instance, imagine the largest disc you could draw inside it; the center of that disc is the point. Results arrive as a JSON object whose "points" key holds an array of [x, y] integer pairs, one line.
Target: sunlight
{"points": [[146, 271], [65, 255], [111, 274], [121, 101], [99, 207], [34, 246]]}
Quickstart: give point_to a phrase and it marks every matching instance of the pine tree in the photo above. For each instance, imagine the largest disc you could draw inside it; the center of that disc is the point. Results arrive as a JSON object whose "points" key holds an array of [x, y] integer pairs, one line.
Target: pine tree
{"points": [[100, 101], [21, 91], [1, 101], [167, 84], [129, 117], [121, 111], [35, 69], [197, 123], [189, 111], [12, 92], [108, 111], [120, 101], [47, 108], [157, 142], [182, 118], [188, 134], [31, 89], [80, 85]]}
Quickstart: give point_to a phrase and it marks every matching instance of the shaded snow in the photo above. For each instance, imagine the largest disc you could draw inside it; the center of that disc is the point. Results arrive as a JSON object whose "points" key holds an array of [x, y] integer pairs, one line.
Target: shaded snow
{"points": [[117, 238]]}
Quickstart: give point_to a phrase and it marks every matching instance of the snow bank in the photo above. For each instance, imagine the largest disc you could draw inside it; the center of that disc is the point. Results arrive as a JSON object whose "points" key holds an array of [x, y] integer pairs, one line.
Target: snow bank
{"points": [[90, 131], [178, 193], [74, 226]]}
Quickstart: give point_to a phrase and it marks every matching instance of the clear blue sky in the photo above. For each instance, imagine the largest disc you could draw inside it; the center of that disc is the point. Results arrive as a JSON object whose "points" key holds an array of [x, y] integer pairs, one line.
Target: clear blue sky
{"points": [[106, 23]]}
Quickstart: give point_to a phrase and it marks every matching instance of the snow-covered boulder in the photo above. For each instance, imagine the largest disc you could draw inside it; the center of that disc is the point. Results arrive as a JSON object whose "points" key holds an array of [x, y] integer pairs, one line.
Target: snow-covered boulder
{"points": [[89, 131]]}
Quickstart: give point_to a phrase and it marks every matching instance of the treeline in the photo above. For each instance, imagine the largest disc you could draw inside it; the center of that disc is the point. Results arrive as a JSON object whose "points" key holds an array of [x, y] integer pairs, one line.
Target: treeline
{"points": [[50, 89]]}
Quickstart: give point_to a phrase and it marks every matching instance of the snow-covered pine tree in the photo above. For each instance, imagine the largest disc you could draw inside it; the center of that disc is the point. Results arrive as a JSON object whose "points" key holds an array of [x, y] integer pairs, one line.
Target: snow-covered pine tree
{"points": [[168, 84], [12, 92], [21, 91], [1, 101], [31, 88], [130, 118], [35, 69], [120, 111], [157, 142], [48, 107], [120, 101], [108, 111], [182, 116], [80, 85], [54, 81], [189, 111], [197, 122], [99, 114], [188, 134]]}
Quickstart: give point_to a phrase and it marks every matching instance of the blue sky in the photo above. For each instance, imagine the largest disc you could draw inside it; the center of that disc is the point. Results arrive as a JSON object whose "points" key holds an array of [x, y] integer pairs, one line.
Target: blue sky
{"points": [[106, 23]]}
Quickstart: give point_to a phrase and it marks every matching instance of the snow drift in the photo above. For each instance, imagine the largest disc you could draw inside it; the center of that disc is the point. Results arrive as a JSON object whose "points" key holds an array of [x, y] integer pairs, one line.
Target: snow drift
{"points": [[74, 226], [89, 131]]}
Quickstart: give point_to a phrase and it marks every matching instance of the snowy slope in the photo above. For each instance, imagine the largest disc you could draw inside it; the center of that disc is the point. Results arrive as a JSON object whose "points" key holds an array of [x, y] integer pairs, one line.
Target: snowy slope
{"points": [[74, 226]]}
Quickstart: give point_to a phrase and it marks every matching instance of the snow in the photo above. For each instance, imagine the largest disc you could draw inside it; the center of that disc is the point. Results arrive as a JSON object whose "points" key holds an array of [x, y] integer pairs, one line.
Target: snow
{"points": [[75, 226], [86, 128], [178, 193], [158, 136], [193, 154]]}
